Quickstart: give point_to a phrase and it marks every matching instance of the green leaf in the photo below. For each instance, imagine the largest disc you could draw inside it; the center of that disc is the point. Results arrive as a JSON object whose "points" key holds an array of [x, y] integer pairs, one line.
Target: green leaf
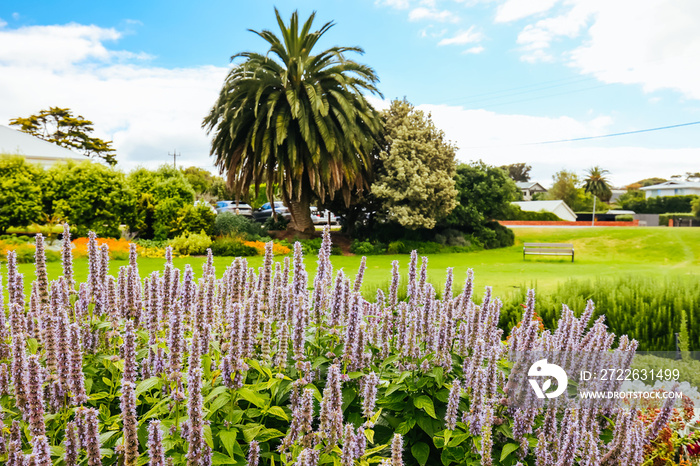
{"points": [[220, 458], [279, 412], [250, 432], [98, 396], [508, 448], [458, 439], [252, 397], [425, 403], [107, 382], [207, 436], [369, 433], [420, 452], [214, 393], [349, 395], [104, 436], [228, 439], [32, 345], [146, 385], [218, 403], [268, 434]]}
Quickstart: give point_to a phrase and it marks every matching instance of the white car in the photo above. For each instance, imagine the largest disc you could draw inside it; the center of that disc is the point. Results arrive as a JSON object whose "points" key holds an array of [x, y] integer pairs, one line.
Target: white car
{"points": [[206, 204], [231, 206], [320, 217]]}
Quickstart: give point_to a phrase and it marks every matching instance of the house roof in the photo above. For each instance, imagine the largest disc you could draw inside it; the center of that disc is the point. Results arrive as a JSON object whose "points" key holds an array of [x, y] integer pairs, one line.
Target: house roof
{"points": [[17, 142], [547, 206], [530, 185], [673, 185]]}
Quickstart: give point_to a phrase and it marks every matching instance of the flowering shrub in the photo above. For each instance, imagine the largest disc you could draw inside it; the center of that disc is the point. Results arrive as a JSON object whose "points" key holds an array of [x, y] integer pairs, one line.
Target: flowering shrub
{"points": [[118, 248], [191, 243], [24, 251], [278, 249], [251, 367]]}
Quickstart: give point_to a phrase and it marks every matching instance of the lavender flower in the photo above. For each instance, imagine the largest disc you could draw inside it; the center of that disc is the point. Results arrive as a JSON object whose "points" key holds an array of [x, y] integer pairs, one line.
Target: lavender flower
{"points": [[453, 405], [128, 408], [347, 456], [253, 453], [35, 397], [128, 350], [70, 444], [93, 266], [360, 275], [198, 451], [42, 277], [19, 355], [156, 453], [331, 415], [41, 451], [369, 395], [175, 340], [4, 383], [67, 258], [76, 378], [89, 435], [397, 450], [394, 289]]}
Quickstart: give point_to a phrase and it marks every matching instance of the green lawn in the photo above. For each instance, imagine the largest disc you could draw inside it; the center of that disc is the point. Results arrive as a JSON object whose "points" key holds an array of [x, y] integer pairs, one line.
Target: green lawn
{"points": [[600, 252]]}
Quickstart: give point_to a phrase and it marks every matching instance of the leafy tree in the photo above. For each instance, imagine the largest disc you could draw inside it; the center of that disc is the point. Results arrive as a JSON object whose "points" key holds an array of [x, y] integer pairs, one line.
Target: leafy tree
{"points": [[160, 195], [566, 188], [484, 193], [89, 196], [695, 207], [692, 176], [296, 119], [598, 186], [660, 204], [647, 182], [518, 171], [59, 126], [416, 187], [20, 192], [206, 185], [193, 219]]}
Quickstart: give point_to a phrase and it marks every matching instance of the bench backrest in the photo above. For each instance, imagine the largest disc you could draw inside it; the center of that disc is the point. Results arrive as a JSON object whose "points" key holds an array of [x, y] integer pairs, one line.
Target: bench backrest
{"points": [[548, 245]]}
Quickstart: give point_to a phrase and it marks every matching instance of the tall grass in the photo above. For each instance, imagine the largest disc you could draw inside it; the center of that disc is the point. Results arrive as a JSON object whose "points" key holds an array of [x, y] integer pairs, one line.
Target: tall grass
{"points": [[645, 308]]}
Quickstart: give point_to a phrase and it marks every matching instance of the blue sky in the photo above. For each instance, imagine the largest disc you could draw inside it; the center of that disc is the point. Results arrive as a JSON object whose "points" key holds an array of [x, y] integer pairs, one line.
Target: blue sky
{"points": [[494, 74]]}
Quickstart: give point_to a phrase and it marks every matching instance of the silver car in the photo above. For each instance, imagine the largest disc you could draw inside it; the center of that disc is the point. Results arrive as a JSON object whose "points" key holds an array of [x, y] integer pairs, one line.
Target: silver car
{"points": [[233, 207]]}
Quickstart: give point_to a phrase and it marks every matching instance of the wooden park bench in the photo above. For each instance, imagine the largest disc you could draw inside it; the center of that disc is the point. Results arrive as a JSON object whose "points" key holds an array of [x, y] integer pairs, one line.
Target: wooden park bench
{"points": [[549, 249]]}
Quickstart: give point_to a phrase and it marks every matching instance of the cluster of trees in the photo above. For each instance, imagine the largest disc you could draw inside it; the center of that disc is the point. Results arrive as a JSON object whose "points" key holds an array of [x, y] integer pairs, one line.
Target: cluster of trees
{"points": [[152, 204], [300, 121]]}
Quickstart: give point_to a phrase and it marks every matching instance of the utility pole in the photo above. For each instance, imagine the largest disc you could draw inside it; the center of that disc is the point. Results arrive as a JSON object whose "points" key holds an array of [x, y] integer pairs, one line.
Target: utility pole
{"points": [[174, 155]]}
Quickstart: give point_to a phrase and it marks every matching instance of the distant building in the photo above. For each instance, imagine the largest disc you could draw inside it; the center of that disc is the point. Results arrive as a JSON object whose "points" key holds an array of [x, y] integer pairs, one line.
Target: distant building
{"points": [[558, 208], [672, 188], [529, 188], [33, 149]]}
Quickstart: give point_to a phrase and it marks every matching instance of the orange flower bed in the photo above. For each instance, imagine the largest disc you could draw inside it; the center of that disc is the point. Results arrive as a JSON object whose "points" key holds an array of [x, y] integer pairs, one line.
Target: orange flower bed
{"points": [[118, 248], [277, 249]]}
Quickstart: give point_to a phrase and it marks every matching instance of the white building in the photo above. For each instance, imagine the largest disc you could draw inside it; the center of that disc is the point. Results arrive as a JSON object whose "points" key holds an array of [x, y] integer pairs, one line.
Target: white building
{"points": [[672, 188], [558, 208], [33, 149]]}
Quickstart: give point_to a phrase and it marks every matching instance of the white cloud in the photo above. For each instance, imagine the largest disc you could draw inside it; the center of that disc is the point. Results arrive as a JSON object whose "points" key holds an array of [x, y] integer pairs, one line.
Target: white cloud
{"points": [[469, 36], [146, 111], [422, 14], [398, 4], [498, 140], [2, 23], [654, 43], [474, 50], [15, 16], [513, 10]]}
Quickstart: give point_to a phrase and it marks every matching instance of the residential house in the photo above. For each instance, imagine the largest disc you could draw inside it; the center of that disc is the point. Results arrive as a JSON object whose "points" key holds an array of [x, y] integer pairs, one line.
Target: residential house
{"points": [[558, 208], [672, 188], [529, 188], [33, 149]]}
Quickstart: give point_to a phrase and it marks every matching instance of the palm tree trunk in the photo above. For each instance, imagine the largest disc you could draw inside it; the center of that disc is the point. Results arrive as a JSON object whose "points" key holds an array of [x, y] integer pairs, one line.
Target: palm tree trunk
{"points": [[301, 214]]}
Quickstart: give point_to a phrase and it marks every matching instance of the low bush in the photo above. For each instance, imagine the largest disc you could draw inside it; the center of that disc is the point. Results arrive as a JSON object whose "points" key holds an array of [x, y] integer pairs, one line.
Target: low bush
{"points": [[311, 246], [232, 246], [624, 218], [660, 204], [25, 251], [193, 218], [366, 248], [191, 243], [515, 212], [230, 224], [676, 216], [276, 225], [496, 235]]}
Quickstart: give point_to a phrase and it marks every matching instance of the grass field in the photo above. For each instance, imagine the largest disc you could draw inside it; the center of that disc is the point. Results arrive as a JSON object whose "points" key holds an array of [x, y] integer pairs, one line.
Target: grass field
{"points": [[600, 252]]}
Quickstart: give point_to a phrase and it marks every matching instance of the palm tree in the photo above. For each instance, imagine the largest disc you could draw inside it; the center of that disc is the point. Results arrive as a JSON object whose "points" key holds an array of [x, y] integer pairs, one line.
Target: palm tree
{"points": [[297, 120], [598, 186]]}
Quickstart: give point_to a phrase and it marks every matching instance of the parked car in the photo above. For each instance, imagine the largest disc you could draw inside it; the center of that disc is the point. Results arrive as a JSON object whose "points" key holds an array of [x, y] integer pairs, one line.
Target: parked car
{"points": [[265, 212], [320, 217], [206, 204], [230, 206]]}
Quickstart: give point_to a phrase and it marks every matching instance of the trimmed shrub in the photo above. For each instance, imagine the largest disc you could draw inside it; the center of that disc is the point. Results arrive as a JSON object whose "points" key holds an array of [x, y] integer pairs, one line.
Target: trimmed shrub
{"points": [[660, 204], [191, 243], [279, 225], [365, 248], [232, 246], [497, 236], [230, 224], [624, 218], [193, 218], [20, 192], [664, 218]]}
